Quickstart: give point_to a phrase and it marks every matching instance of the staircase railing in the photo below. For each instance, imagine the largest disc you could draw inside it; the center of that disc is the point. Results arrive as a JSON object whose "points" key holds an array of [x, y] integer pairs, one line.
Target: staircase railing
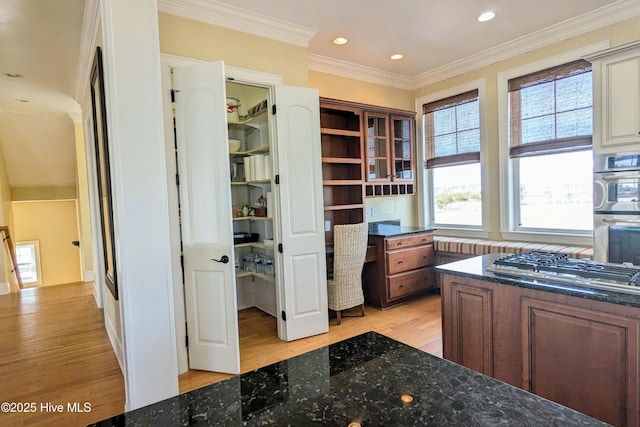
{"points": [[6, 238]]}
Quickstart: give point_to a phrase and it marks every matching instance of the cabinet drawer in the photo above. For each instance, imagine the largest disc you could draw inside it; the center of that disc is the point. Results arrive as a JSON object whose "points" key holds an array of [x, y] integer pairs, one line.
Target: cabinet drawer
{"points": [[408, 240], [409, 259], [404, 284]]}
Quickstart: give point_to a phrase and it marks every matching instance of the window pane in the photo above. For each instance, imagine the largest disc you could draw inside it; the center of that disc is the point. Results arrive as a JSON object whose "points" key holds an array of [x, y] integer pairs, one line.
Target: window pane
{"points": [[468, 141], [444, 121], [457, 195], [556, 191], [467, 115], [538, 129], [446, 145], [574, 92], [537, 100], [574, 123]]}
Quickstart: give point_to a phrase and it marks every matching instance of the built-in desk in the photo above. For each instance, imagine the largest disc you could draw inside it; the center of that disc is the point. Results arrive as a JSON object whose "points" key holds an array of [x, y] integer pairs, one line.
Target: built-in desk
{"points": [[404, 264]]}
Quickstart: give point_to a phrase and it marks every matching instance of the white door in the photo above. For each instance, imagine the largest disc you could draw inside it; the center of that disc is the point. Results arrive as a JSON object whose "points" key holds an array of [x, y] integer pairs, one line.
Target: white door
{"points": [[304, 282], [205, 205]]}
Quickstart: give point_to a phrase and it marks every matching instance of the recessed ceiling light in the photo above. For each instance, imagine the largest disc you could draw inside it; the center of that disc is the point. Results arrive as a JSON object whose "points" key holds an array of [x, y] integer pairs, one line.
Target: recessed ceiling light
{"points": [[340, 40], [486, 16], [397, 56], [13, 75]]}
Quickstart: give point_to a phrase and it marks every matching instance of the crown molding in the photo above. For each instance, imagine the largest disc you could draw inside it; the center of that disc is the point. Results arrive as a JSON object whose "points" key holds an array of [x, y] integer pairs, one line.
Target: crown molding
{"points": [[228, 16], [88, 40], [602, 17], [235, 18], [608, 15], [350, 70]]}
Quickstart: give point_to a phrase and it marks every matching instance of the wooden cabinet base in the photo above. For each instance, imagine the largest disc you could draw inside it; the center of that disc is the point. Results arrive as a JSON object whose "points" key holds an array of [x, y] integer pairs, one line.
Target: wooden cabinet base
{"points": [[580, 353], [403, 271]]}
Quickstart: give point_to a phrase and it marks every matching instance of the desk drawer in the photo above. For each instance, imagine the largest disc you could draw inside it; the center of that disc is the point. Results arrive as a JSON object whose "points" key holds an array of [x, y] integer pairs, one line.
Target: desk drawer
{"points": [[409, 259], [408, 240], [409, 283]]}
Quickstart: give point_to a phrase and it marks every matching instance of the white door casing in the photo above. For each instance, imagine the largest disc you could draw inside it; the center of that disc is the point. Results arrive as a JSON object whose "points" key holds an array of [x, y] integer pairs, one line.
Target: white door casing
{"points": [[303, 266], [207, 231]]}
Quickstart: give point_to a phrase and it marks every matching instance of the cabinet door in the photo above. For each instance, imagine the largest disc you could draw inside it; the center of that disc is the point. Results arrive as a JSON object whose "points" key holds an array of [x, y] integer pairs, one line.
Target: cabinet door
{"points": [[301, 222], [402, 148], [467, 327], [584, 359], [378, 168], [210, 292], [621, 101]]}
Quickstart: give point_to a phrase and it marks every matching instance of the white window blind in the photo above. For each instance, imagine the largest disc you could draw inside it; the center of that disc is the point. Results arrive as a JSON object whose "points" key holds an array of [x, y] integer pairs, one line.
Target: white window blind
{"points": [[452, 130], [551, 110]]}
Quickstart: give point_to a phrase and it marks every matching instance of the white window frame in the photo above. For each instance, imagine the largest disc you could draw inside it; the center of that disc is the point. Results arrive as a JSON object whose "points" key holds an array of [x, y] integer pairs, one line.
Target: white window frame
{"points": [[509, 180], [36, 250], [425, 195]]}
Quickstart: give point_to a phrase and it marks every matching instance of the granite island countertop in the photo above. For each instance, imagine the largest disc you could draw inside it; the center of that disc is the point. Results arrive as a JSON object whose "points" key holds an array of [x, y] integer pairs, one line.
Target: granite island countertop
{"points": [[364, 380], [476, 268]]}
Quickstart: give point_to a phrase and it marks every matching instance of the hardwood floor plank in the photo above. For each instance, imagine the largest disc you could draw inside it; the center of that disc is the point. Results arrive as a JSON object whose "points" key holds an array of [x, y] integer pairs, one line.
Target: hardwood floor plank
{"points": [[54, 348]]}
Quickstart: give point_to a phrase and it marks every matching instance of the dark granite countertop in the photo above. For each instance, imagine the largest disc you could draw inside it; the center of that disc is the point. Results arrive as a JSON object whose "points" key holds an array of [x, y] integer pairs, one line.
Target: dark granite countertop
{"points": [[361, 379], [382, 229], [476, 268]]}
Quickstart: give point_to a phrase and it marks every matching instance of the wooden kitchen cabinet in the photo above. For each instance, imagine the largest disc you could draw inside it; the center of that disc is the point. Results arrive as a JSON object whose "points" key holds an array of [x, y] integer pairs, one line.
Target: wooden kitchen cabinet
{"points": [[404, 269], [580, 353], [616, 98], [342, 164], [390, 141], [469, 325], [367, 146]]}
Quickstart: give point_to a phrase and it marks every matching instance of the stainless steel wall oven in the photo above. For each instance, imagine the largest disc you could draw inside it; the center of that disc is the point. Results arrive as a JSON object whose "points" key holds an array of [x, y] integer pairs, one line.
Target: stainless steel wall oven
{"points": [[616, 198]]}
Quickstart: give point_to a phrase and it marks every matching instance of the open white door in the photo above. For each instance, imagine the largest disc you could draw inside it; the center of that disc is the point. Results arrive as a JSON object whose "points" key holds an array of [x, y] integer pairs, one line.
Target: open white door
{"points": [[301, 213], [205, 205]]}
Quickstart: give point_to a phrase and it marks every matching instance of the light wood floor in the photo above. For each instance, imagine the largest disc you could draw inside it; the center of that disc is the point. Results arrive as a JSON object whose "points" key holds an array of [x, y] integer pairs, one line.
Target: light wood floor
{"points": [[417, 324], [54, 348]]}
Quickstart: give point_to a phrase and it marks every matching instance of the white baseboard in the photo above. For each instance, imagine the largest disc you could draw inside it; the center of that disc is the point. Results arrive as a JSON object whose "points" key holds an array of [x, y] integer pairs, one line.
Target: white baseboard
{"points": [[115, 342], [89, 276]]}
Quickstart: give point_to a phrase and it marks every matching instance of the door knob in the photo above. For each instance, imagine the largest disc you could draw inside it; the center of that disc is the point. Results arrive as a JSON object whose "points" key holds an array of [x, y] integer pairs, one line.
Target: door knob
{"points": [[224, 259]]}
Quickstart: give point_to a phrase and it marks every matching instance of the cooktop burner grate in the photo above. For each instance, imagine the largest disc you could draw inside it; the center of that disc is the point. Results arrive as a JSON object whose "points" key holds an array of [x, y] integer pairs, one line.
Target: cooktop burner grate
{"points": [[553, 265]]}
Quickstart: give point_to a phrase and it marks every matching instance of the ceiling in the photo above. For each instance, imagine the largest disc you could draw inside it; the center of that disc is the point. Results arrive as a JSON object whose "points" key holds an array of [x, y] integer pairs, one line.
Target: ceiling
{"points": [[40, 40]]}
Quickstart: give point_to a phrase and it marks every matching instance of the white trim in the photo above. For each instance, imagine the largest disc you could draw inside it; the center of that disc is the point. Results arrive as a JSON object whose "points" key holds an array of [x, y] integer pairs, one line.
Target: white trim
{"points": [[235, 18], [89, 276], [88, 40], [424, 195], [506, 177], [323, 64], [238, 75], [115, 342], [38, 264], [459, 232]]}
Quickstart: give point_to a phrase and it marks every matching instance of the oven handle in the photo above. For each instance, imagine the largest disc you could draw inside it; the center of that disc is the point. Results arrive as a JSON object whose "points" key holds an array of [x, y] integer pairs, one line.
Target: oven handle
{"points": [[624, 221], [619, 177]]}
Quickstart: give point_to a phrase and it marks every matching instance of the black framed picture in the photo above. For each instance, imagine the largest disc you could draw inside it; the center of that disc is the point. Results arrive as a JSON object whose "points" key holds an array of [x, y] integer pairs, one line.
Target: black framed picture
{"points": [[103, 170]]}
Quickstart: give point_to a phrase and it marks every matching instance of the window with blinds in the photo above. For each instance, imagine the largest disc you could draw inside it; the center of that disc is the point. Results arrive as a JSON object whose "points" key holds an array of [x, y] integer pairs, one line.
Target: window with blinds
{"points": [[551, 111], [452, 130], [452, 146]]}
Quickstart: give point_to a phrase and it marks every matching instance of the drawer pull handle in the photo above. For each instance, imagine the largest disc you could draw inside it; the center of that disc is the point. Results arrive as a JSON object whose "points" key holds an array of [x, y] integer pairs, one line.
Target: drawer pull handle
{"points": [[401, 286], [399, 244], [400, 262], [424, 240]]}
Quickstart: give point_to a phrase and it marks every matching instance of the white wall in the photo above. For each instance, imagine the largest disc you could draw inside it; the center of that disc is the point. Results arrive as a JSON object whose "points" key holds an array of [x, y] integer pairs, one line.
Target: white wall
{"points": [[141, 220]]}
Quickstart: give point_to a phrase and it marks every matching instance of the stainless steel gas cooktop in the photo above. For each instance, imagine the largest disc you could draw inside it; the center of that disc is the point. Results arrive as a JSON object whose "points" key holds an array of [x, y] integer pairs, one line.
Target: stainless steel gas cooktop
{"points": [[560, 268]]}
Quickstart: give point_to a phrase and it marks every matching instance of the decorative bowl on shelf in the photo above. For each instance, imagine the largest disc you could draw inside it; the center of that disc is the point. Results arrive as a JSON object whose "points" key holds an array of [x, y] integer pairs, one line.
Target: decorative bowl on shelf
{"points": [[234, 145]]}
